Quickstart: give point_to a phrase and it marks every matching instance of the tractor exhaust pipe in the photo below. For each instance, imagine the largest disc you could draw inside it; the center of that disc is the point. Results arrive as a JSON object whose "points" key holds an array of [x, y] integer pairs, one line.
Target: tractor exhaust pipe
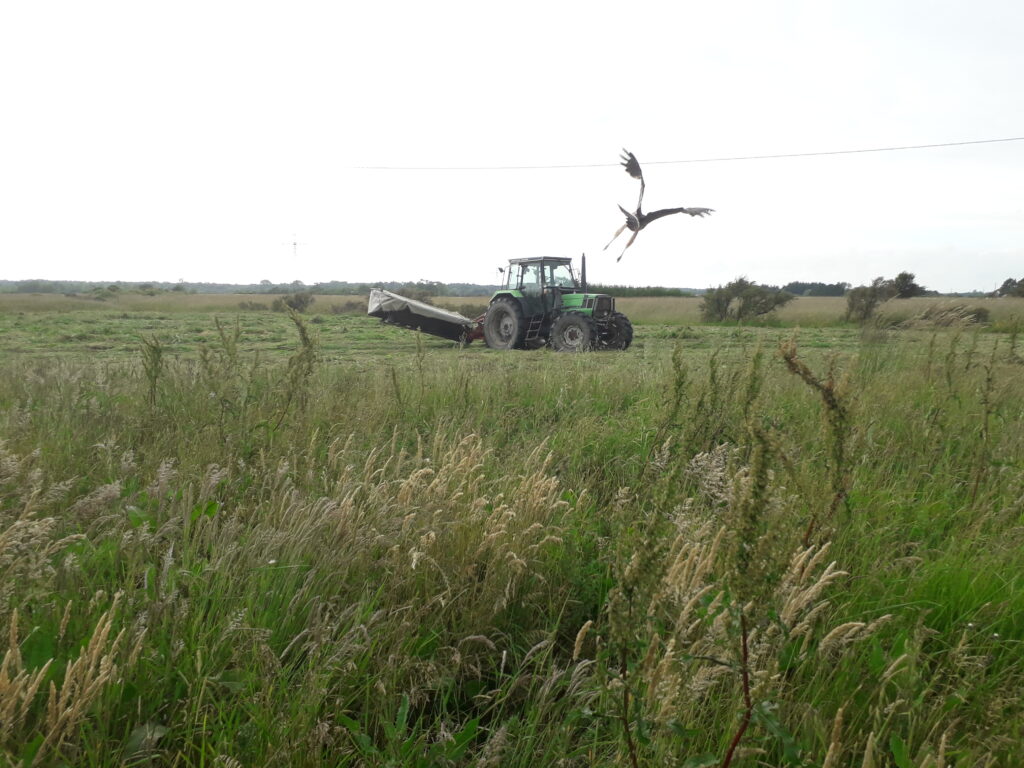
{"points": [[583, 272]]}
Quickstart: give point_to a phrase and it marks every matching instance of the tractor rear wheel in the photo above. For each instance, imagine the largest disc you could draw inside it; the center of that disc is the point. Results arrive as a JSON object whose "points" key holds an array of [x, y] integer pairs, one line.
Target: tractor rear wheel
{"points": [[618, 334], [503, 324], [573, 332]]}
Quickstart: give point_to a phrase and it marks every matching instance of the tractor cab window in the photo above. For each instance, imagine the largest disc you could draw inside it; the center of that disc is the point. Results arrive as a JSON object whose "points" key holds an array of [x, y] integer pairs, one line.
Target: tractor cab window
{"points": [[560, 275], [531, 278]]}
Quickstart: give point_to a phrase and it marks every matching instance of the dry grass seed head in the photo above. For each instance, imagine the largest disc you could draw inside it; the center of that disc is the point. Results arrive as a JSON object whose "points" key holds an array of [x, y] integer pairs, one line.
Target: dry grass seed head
{"points": [[18, 686], [581, 636], [88, 508], [85, 678], [493, 750], [10, 464], [165, 475], [711, 472], [868, 760]]}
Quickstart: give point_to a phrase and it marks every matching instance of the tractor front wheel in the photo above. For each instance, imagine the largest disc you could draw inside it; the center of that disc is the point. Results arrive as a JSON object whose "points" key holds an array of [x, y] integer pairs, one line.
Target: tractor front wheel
{"points": [[618, 334], [503, 324], [573, 332]]}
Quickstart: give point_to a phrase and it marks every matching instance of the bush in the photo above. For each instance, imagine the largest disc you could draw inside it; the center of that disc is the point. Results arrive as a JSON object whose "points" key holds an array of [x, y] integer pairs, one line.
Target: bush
{"points": [[472, 311], [740, 300], [417, 292], [300, 302], [862, 301], [347, 308]]}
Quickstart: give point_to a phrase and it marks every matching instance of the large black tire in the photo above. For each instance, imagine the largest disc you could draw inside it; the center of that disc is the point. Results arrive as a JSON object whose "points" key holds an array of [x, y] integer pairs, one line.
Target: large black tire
{"points": [[503, 324], [618, 334], [573, 332]]}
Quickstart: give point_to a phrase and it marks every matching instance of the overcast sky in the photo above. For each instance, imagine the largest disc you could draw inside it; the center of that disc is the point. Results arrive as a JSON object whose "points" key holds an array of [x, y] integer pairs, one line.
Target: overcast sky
{"points": [[199, 140]]}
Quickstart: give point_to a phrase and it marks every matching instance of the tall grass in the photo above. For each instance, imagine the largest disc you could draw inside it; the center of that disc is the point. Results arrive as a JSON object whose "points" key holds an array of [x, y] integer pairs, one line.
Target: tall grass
{"points": [[514, 559]]}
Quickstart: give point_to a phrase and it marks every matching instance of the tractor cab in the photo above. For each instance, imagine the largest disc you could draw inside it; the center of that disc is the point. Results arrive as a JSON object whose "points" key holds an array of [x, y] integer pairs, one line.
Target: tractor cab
{"points": [[542, 302], [547, 271], [541, 282]]}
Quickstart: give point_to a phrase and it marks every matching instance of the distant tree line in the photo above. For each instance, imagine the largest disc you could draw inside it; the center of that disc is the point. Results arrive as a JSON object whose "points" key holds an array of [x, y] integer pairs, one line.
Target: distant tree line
{"points": [[88, 288], [418, 289], [903, 285], [91, 286], [623, 291], [798, 288]]}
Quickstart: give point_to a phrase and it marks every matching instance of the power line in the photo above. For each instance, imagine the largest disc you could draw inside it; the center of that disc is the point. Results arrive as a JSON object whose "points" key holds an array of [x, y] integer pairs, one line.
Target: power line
{"points": [[673, 162]]}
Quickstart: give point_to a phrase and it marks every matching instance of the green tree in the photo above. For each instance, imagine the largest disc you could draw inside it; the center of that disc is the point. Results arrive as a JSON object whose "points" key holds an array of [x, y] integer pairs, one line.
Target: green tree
{"points": [[906, 287], [1011, 287]]}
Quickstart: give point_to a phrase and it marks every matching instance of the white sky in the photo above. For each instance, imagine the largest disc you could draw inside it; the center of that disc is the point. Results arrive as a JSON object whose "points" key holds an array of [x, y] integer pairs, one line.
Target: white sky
{"points": [[196, 140]]}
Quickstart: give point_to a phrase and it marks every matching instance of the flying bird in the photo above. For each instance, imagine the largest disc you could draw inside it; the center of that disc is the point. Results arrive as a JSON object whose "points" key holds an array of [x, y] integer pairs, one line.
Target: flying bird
{"points": [[637, 221]]}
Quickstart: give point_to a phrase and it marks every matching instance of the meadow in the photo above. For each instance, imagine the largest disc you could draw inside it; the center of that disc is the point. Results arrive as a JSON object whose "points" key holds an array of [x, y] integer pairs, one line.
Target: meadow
{"points": [[239, 538]]}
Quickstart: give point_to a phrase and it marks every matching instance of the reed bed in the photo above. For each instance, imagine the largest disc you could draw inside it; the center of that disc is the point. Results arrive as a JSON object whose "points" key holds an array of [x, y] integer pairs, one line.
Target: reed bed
{"points": [[755, 551]]}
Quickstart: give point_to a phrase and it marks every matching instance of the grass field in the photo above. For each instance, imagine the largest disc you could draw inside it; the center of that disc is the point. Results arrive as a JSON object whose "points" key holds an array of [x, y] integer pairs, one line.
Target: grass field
{"points": [[233, 538], [161, 302], [803, 311]]}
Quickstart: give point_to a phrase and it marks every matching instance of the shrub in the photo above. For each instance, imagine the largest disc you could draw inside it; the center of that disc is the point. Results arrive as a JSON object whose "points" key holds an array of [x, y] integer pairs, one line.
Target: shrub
{"points": [[472, 311], [418, 292], [862, 301], [740, 300], [300, 302], [347, 308]]}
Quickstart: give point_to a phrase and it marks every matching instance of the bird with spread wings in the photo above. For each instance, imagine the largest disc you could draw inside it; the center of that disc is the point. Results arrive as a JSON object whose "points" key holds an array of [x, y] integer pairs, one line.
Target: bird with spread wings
{"points": [[637, 221]]}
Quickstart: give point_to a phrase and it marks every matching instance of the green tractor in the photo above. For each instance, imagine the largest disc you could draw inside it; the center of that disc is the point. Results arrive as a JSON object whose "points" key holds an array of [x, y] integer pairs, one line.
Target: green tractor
{"points": [[543, 303]]}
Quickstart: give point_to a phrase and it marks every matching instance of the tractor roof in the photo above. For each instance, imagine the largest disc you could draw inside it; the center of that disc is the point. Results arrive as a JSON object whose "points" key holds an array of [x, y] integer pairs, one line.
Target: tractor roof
{"points": [[542, 259]]}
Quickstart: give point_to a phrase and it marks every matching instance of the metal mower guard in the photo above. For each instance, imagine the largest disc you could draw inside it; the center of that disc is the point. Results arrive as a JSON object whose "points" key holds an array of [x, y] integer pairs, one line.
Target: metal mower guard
{"points": [[419, 316]]}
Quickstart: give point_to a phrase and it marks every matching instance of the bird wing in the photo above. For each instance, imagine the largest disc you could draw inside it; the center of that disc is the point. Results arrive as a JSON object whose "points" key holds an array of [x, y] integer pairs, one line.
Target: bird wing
{"points": [[655, 215], [631, 219], [632, 166], [632, 223]]}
